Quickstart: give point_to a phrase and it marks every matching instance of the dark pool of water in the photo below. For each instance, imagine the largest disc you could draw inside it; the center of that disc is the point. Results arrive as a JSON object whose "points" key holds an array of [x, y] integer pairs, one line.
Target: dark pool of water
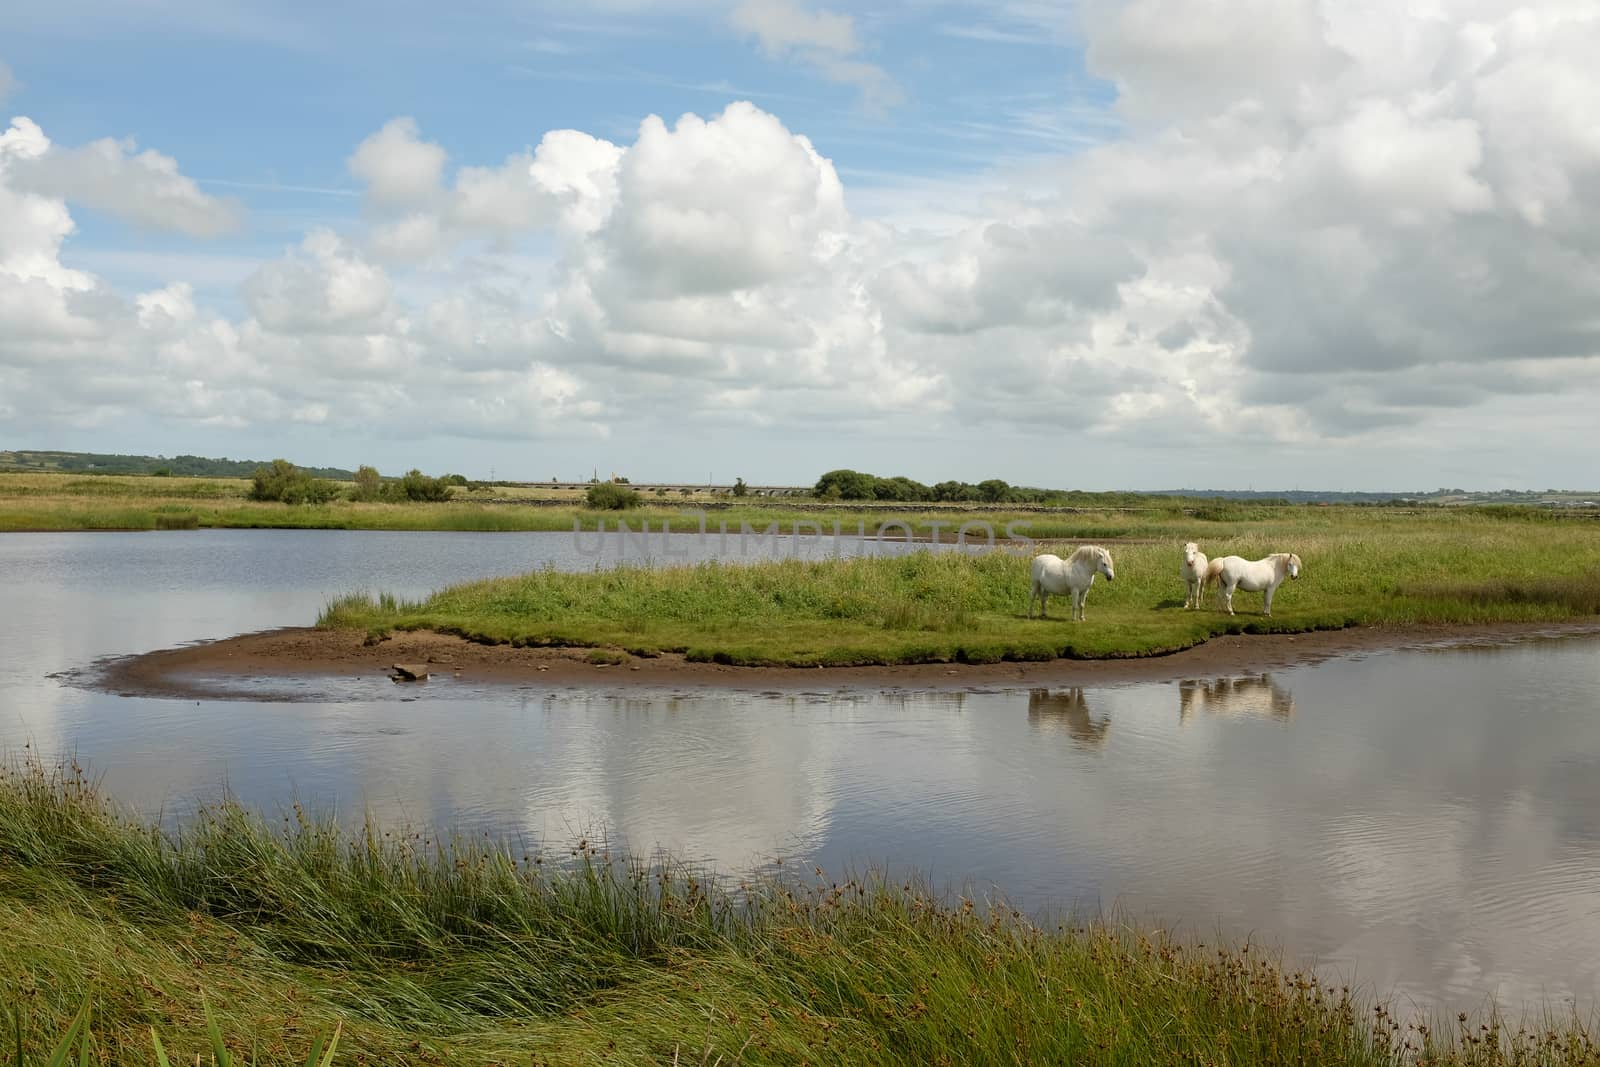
{"points": [[1426, 821]]}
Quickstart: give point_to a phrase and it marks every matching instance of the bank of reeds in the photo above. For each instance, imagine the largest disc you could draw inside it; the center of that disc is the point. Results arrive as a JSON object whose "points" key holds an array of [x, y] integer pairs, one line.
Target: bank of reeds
{"points": [[420, 950]]}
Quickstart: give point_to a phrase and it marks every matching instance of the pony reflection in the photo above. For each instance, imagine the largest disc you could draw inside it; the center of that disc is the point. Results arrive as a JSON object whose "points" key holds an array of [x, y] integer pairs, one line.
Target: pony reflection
{"points": [[1067, 710], [1234, 698]]}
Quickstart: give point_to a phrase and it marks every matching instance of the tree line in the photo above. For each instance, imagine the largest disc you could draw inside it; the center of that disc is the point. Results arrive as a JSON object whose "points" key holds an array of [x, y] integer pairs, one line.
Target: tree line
{"points": [[846, 484]]}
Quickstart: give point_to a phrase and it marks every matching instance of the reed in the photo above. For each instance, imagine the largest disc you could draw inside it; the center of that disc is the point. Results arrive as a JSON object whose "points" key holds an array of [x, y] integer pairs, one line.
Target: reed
{"points": [[265, 937]]}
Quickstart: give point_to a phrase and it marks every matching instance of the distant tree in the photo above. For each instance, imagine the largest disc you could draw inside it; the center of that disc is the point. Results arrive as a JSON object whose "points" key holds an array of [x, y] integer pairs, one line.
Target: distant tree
{"points": [[900, 488], [162, 472], [283, 481], [847, 485], [739, 488], [454, 479], [610, 496], [418, 487], [993, 491], [369, 484], [952, 492]]}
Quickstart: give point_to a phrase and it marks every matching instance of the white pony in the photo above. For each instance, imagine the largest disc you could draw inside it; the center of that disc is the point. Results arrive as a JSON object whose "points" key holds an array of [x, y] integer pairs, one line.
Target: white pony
{"points": [[1194, 574], [1253, 576], [1074, 575]]}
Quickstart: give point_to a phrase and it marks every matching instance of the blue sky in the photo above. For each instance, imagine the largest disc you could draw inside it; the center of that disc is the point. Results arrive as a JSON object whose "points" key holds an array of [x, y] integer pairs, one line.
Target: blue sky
{"points": [[263, 103], [1035, 239]]}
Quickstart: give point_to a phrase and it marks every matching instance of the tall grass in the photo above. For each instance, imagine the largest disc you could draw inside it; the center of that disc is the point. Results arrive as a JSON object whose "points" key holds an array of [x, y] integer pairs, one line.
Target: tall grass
{"points": [[473, 951]]}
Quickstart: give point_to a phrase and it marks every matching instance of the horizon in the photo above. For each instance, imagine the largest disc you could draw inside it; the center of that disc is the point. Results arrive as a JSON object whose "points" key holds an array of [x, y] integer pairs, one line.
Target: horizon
{"points": [[770, 483], [1117, 243]]}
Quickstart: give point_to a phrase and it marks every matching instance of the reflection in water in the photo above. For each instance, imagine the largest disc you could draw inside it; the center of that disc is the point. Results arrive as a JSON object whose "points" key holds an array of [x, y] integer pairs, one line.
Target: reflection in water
{"points": [[1067, 710], [1235, 698]]}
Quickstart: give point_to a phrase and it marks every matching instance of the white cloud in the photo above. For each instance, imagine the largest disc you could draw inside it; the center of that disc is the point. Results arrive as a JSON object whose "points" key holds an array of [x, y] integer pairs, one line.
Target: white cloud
{"points": [[144, 188], [399, 168], [824, 40], [324, 288], [721, 206]]}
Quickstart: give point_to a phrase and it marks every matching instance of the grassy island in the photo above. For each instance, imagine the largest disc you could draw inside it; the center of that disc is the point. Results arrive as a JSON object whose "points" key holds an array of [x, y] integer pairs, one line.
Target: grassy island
{"points": [[1363, 566]]}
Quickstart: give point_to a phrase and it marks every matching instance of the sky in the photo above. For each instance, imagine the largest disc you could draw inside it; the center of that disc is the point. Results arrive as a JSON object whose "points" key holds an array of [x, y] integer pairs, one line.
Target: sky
{"points": [[1268, 244]]}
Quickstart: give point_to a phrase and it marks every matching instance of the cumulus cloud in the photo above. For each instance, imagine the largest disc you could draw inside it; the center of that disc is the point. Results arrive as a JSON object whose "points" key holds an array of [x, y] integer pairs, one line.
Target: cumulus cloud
{"points": [[1325, 222], [145, 188], [568, 181], [821, 39], [398, 167], [325, 340], [322, 288]]}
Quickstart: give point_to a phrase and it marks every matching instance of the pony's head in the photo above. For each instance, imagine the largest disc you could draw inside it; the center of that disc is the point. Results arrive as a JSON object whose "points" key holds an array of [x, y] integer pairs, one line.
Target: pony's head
{"points": [[1103, 564], [1294, 565], [1190, 551]]}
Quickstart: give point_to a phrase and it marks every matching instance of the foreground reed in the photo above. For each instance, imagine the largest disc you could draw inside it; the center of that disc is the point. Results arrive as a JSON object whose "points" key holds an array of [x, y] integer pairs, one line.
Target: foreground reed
{"points": [[416, 950]]}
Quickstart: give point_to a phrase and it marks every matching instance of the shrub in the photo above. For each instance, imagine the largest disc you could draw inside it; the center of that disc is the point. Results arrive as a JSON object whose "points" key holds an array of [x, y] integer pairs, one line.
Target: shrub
{"points": [[283, 481], [416, 486], [739, 488], [609, 496], [369, 484]]}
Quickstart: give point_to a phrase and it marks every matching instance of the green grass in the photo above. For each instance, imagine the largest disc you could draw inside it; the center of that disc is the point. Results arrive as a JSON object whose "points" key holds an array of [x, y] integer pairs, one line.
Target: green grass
{"points": [[1361, 567], [471, 951]]}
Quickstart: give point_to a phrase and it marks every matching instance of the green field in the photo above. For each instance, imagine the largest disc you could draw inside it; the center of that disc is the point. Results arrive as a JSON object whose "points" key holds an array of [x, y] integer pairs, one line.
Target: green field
{"points": [[462, 951], [1362, 566]]}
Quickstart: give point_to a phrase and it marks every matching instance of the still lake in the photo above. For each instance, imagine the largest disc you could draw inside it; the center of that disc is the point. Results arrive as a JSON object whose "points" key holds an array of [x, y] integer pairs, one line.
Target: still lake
{"points": [[1425, 822]]}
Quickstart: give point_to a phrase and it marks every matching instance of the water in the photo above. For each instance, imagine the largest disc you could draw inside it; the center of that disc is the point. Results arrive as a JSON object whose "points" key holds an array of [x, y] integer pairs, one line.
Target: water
{"points": [[1426, 822]]}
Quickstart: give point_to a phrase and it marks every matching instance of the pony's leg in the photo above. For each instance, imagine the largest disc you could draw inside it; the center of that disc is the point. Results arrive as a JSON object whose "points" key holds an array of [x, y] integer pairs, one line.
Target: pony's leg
{"points": [[1266, 608], [1227, 597]]}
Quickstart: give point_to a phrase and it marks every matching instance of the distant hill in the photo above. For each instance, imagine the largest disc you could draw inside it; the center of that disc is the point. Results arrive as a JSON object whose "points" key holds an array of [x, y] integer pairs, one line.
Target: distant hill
{"points": [[108, 463]]}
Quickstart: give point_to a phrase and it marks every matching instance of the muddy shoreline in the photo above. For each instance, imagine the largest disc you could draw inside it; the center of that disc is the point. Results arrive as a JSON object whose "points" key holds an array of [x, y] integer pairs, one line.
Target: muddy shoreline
{"points": [[204, 671]]}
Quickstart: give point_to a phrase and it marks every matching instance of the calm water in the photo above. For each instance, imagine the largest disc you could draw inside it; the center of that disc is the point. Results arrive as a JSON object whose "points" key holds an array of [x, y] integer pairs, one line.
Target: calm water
{"points": [[1426, 822]]}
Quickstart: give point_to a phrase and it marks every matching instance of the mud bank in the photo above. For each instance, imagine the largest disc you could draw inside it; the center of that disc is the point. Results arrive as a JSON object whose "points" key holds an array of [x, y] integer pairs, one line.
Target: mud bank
{"points": [[203, 671]]}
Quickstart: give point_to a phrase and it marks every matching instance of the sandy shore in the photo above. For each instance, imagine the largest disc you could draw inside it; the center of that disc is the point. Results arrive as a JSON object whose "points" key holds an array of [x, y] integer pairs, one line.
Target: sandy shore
{"points": [[203, 670]]}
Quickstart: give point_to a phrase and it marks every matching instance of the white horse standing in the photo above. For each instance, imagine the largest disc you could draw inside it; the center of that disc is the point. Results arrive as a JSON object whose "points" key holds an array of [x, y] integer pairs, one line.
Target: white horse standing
{"points": [[1194, 574], [1073, 575], [1253, 576]]}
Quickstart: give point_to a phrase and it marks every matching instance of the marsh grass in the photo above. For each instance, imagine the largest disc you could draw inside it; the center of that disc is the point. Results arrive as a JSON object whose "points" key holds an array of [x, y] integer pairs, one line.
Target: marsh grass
{"points": [[1361, 568], [475, 951], [1578, 594]]}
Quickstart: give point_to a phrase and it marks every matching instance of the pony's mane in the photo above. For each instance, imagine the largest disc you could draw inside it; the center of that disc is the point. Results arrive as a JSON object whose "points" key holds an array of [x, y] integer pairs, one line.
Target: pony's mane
{"points": [[1086, 554]]}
